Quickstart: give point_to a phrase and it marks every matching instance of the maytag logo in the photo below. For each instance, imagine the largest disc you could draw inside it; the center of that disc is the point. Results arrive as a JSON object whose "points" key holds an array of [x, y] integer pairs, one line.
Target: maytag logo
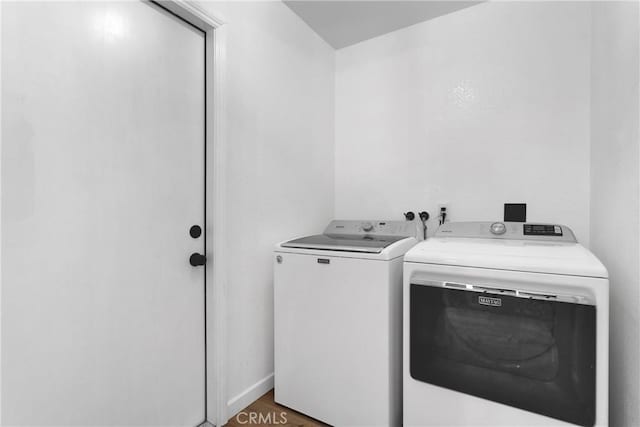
{"points": [[493, 302]]}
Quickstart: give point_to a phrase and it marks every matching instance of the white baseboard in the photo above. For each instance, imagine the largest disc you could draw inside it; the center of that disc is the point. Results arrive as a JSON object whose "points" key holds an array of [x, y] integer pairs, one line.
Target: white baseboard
{"points": [[249, 395]]}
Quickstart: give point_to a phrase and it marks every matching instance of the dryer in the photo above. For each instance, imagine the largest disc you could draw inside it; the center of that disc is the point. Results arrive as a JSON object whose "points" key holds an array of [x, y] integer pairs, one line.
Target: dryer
{"points": [[338, 322], [505, 324]]}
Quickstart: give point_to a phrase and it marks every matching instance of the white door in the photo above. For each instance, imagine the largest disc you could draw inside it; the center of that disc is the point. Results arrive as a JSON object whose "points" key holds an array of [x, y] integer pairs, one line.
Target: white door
{"points": [[102, 178]]}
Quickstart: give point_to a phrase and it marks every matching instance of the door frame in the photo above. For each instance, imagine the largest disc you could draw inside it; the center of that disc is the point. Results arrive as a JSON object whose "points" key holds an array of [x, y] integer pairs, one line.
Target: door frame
{"points": [[213, 25]]}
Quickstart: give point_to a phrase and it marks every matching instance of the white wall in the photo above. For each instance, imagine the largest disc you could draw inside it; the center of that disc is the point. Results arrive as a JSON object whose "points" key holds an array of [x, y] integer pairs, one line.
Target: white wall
{"points": [[480, 107], [280, 80], [615, 188]]}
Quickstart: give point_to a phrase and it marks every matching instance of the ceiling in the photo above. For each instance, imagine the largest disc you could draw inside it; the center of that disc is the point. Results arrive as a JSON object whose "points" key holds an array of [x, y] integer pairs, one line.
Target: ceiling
{"points": [[343, 23]]}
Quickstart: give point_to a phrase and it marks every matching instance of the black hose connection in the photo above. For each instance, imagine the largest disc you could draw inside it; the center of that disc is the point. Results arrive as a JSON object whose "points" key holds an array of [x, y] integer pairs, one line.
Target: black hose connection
{"points": [[424, 217]]}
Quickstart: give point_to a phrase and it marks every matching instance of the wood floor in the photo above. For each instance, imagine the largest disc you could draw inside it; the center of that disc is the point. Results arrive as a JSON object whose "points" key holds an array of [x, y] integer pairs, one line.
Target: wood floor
{"points": [[266, 412]]}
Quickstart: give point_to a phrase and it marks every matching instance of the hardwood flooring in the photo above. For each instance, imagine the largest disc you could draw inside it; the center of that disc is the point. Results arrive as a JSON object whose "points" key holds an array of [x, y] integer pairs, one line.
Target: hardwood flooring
{"points": [[266, 412]]}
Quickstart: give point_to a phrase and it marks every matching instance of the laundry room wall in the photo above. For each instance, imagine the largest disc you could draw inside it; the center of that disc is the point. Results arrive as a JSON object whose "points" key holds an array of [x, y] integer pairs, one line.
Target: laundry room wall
{"points": [[615, 189], [279, 170], [480, 107]]}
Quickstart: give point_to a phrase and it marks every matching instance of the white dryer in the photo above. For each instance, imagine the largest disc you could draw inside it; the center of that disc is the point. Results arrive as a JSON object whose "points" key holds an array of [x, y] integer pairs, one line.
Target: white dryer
{"points": [[338, 322], [505, 324]]}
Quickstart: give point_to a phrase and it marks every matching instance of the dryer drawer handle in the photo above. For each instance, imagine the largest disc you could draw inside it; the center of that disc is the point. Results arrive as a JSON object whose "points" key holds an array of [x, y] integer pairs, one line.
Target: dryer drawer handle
{"points": [[323, 261]]}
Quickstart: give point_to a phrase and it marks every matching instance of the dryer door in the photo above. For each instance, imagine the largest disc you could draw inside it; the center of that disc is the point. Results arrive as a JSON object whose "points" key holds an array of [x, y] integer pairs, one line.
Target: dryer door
{"points": [[531, 351]]}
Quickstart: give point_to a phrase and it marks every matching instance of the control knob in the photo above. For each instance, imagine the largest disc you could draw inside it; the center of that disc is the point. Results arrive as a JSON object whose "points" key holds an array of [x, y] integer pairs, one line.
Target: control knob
{"points": [[498, 228], [367, 226]]}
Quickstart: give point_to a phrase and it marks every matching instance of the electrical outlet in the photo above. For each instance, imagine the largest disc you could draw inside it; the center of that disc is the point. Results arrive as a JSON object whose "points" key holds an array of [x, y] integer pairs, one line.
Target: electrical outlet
{"points": [[443, 206]]}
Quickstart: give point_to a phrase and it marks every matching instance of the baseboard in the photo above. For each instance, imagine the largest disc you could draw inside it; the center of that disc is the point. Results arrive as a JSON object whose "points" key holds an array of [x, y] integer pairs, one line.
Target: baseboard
{"points": [[249, 395]]}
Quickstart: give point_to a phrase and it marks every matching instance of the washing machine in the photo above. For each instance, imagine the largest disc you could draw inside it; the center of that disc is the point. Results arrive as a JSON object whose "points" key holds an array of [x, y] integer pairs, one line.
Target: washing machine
{"points": [[505, 324], [338, 322]]}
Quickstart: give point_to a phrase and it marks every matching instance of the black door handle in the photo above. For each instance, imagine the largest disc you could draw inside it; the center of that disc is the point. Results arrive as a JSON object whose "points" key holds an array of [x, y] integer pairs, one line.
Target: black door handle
{"points": [[197, 259]]}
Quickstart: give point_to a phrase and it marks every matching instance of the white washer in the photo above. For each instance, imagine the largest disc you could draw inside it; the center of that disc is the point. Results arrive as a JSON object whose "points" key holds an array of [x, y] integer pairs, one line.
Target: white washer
{"points": [[505, 324], [338, 322]]}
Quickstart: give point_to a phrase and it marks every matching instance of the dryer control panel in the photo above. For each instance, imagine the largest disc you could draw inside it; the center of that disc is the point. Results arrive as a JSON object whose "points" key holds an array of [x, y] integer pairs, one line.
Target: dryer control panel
{"points": [[507, 230]]}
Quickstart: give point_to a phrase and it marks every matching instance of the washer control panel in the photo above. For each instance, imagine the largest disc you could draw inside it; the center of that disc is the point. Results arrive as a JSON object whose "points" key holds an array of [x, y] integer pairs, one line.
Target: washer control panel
{"points": [[380, 228]]}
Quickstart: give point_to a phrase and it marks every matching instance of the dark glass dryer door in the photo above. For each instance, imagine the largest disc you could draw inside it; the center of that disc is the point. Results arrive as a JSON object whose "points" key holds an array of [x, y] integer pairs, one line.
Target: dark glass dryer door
{"points": [[536, 354]]}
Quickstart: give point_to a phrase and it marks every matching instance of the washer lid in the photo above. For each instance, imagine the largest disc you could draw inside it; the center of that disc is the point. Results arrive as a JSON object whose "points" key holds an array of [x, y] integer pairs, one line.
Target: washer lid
{"points": [[534, 256], [344, 242], [356, 236]]}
